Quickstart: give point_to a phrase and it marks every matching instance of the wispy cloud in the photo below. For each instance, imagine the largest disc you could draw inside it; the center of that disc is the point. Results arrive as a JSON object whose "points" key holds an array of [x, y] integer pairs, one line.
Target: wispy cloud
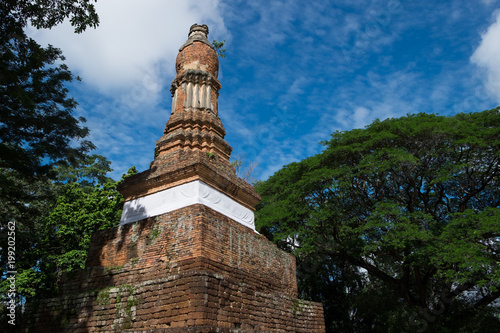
{"points": [[487, 56], [295, 54]]}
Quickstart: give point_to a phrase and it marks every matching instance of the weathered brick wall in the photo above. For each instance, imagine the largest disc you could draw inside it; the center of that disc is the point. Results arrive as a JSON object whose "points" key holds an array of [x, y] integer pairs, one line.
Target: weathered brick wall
{"points": [[203, 301], [192, 268]]}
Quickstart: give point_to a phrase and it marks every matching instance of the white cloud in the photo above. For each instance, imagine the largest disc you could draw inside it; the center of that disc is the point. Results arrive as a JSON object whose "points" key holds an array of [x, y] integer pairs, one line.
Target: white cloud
{"points": [[487, 56], [134, 39], [361, 117]]}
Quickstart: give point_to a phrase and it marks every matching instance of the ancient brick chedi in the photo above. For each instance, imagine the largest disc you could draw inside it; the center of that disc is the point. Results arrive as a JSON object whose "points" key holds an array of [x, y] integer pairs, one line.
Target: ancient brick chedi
{"points": [[186, 256]]}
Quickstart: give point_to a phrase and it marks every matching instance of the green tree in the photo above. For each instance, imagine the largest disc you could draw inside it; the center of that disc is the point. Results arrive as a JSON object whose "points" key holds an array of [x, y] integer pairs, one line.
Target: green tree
{"points": [[218, 46], [82, 201], [37, 125], [403, 218], [74, 217]]}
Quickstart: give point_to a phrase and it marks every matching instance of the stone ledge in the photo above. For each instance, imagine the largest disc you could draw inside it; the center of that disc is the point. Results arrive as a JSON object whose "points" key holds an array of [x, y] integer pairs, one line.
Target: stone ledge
{"points": [[182, 167], [187, 194]]}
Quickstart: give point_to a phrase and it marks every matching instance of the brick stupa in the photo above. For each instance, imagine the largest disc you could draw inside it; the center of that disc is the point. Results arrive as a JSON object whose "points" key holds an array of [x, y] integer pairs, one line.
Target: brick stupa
{"points": [[186, 256]]}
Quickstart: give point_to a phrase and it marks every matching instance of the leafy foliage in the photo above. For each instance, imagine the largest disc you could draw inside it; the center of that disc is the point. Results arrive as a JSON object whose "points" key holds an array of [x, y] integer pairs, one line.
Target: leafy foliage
{"points": [[36, 121], [37, 126], [49, 13], [57, 241], [404, 213], [218, 48], [38, 132]]}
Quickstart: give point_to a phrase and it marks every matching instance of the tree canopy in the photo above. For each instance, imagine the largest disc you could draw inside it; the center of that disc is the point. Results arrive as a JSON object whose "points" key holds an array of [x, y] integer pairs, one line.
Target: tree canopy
{"points": [[37, 125], [46, 173], [396, 226], [80, 202]]}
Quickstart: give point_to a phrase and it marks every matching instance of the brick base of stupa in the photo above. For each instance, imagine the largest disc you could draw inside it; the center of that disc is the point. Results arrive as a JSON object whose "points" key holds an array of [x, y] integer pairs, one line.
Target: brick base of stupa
{"points": [[189, 270]]}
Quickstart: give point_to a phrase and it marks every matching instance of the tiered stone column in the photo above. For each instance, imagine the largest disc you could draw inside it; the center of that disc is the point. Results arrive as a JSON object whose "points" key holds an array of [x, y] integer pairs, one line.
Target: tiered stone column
{"points": [[192, 147]]}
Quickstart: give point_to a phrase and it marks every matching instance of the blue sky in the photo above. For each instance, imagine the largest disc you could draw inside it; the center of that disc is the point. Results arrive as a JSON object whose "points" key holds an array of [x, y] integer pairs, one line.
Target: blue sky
{"points": [[294, 71]]}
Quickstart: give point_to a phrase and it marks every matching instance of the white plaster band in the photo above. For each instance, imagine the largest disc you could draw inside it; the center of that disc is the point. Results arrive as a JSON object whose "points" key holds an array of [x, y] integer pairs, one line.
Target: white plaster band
{"points": [[185, 195]]}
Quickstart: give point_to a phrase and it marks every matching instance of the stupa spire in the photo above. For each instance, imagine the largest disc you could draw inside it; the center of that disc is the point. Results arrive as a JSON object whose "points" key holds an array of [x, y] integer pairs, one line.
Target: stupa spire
{"points": [[192, 148], [194, 123], [197, 67]]}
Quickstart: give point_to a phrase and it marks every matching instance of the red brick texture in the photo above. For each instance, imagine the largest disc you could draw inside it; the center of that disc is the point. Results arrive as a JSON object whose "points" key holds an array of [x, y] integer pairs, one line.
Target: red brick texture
{"points": [[191, 270]]}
